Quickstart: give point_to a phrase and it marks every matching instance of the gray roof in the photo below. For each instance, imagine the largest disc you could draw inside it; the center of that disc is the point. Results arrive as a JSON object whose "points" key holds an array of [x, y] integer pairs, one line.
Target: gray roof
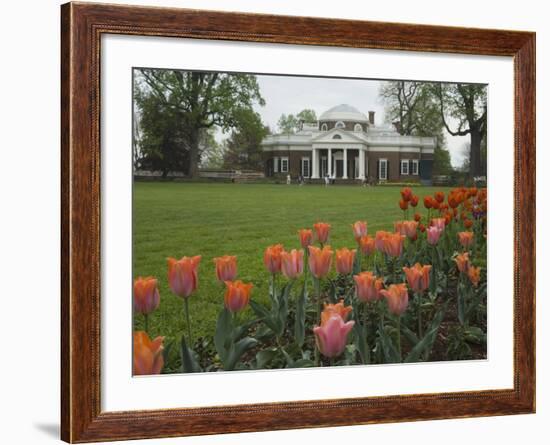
{"points": [[343, 112]]}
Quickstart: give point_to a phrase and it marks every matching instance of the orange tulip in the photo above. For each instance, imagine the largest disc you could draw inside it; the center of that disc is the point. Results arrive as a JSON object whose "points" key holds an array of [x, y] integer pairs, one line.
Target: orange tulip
{"points": [[466, 238], [462, 262], [468, 223], [359, 229], [393, 244], [322, 231], [397, 298], [406, 194], [379, 240], [331, 309], [439, 223], [344, 260], [439, 196], [146, 295], [272, 258], [237, 295], [414, 200], [417, 217], [183, 275], [306, 237], [226, 268], [418, 277], [403, 205], [148, 357], [368, 287], [292, 264], [320, 261], [409, 227], [366, 245], [474, 274]]}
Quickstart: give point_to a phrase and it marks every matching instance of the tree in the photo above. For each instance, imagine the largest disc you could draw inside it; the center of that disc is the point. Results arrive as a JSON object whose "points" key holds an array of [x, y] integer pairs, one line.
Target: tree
{"points": [[243, 146], [212, 152], [413, 109], [190, 102], [290, 124], [467, 104]]}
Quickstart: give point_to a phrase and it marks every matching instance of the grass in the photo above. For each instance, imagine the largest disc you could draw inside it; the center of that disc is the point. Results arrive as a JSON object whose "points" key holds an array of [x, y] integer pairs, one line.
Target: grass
{"points": [[186, 219]]}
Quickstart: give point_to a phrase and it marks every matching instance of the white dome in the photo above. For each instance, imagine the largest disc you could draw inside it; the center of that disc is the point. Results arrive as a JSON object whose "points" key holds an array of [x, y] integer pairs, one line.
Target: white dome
{"points": [[343, 112]]}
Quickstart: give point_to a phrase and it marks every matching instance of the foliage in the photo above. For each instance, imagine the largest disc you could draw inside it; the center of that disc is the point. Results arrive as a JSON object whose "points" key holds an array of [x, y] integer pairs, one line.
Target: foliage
{"points": [[290, 124]]}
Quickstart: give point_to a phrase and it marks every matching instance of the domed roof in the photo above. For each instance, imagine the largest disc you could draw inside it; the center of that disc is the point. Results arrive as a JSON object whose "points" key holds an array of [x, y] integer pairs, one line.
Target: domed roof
{"points": [[343, 112]]}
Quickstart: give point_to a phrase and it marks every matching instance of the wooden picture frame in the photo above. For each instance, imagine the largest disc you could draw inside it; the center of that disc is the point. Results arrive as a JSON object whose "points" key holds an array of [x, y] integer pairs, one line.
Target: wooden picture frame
{"points": [[82, 26]]}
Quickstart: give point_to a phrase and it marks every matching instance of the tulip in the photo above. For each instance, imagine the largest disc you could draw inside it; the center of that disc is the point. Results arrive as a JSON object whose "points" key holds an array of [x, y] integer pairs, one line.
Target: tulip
{"points": [[462, 262], [182, 275], [320, 261], [146, 295], [422, 227], [344, 260], [359, 229], [237, 295], [439, 223], [428, 202], [466, 238], [397, 298], [335, 309], [366, 245], [272, 258], [292, 264], [439, 196], [409, 227], [406, 194], [322, 231], [474, 275], [403, 205], [433, 234], [414, 200], [468, 223], [306, 237], [226, 268], [368, 287], [418, 277], [331, 337], [148, 357], [417, 217], [379, 240], [393, 244]]}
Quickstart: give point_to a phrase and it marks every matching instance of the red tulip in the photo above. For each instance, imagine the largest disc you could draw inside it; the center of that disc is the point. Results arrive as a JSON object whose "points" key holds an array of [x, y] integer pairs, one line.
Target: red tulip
{"points": [[292, 263], [237, 295], [439, 196], [417, 217], [428, 202], [403, 205], [226, 268], [183, 275], [397, 298], [344, 260], [322, 231], [414, 200], [148, 357], [368, 287], [418, 277], [146, 295], [406, 194], [272, 258]]}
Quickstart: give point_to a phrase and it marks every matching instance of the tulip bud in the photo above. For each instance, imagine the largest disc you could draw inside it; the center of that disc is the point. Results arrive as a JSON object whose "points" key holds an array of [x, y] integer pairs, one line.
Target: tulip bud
{"points": [[226, 268], [474, 274], [237, 295]]}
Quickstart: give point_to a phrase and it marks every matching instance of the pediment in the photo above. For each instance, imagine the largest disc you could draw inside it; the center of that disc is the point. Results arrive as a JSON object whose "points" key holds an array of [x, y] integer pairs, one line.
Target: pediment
{"points": [[336, 135]]}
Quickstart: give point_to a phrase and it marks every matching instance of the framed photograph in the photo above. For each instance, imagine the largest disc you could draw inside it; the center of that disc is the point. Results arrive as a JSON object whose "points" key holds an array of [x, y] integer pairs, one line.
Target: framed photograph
{"points": [[275, 222]]}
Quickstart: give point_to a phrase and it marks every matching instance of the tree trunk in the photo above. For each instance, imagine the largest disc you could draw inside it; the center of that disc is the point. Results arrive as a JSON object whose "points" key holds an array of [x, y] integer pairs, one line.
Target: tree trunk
{"points": [[193, 171], [475, 153]]}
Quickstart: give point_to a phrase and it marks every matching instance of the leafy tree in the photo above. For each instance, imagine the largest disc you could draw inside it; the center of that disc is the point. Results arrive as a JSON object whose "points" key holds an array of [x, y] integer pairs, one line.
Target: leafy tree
{"points": [[307, 115], [189, 102], [290, 124], [467, 104], [414, 110], [212, 152], [243, 146]]}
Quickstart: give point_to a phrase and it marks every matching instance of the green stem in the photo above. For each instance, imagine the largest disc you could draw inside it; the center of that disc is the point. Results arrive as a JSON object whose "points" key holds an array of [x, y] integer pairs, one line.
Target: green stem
{"points": [[186, 306], [146, 316], [399, 337], [317, 286], [419, 296]]}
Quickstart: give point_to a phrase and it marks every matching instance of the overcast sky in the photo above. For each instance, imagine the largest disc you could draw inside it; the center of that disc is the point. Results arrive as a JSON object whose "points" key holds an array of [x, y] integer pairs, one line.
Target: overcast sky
{"points": [[290, 95]]}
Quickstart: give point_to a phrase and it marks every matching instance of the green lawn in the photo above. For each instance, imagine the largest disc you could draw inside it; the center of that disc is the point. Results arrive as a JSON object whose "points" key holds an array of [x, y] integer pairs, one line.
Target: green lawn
{"points": [[185, 219]]}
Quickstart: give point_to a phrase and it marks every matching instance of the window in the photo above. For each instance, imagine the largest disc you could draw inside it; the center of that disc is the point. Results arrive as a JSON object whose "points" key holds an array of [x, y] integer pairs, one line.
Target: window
{"points": [[305, 167], [340, 124], [414, 167], [404, 166], [336, 136], [324, 127], [356, 167], [275, 165], [284, 165], [383, 169], [358, 128]]}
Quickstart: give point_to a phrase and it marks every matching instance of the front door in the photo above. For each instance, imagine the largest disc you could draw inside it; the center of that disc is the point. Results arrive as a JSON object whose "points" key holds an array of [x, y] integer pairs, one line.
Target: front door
{"points": [[339, 168]]}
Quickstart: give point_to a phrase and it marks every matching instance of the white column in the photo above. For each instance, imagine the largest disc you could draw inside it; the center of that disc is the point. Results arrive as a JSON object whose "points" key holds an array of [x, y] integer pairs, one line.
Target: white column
{"points": [[345, 175], [361, 164], [315, 164], [329, 162]]}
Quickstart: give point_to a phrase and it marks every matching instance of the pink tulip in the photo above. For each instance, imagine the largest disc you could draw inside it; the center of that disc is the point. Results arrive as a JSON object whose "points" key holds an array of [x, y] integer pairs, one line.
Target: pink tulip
{"points": [[359, 229], [292, 263], [332, 336], [439, 223], [183, 275], [434, 233]]}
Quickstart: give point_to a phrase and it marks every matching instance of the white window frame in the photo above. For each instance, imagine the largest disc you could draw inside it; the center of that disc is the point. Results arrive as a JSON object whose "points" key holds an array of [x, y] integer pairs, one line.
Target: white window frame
{"points": [[304, 160], [358, 128], [275, 164], [324, 127], [414, 167], [385, 161], [284, 168], [404, 171], [340, 125]]}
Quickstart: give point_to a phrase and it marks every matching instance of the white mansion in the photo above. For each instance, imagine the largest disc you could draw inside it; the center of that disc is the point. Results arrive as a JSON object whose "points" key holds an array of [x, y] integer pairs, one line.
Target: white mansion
{"points": [[345, 144]]}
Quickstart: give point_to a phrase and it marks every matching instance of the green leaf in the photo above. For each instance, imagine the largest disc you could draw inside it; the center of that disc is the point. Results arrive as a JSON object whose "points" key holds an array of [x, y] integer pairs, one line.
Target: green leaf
{"points": [[282, 312], [264, 314], [357, 263], [424, 346], [303, 363], [391, 355], [224, 333], [409, 335], [300, 321], [236, 352], [242, 329], [188, 359], [460, 304], [264, 357], [361, 343]]}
